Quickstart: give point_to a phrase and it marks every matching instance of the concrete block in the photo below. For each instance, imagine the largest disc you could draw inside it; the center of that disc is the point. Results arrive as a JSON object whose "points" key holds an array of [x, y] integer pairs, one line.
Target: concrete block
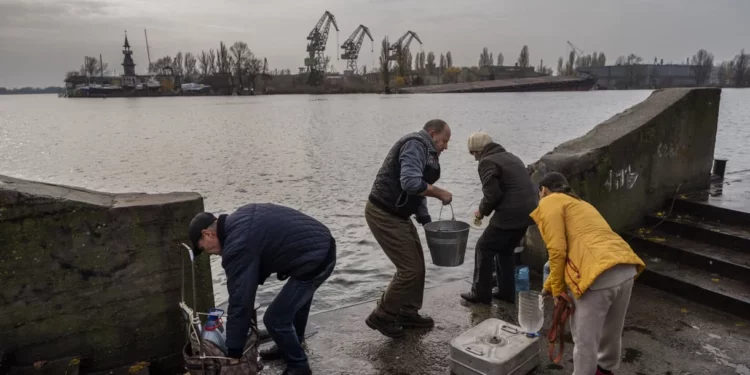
{"points": [[94, 274], [630, 164]]}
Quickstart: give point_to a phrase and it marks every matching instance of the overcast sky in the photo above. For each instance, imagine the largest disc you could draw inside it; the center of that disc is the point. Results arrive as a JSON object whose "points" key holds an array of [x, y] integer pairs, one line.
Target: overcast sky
{"points": [[42, 39]]}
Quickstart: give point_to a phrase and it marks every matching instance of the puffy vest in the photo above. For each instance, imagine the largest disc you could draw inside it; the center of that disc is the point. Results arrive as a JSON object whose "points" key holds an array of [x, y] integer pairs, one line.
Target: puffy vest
{"points": [[386, 191]]}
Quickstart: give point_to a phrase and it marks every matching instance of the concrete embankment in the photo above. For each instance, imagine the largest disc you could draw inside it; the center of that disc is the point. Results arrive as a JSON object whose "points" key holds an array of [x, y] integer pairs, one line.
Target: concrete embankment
{"points": [[94, 275], [507, 85], [630, 164]]}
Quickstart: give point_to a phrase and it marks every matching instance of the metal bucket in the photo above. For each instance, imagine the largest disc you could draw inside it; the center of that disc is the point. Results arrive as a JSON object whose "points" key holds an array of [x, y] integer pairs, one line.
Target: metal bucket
{"points": [[447, 240]]}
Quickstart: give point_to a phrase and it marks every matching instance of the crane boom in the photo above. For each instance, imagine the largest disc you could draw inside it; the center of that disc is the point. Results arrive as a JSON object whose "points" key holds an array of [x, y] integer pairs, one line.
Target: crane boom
{"points": [[577, 50], [352, 46], [402, 44], [318, 38]]}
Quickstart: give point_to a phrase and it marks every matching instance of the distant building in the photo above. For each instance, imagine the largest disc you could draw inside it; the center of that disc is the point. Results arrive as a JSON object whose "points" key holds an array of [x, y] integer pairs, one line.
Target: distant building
{"points": [[642, 76]]}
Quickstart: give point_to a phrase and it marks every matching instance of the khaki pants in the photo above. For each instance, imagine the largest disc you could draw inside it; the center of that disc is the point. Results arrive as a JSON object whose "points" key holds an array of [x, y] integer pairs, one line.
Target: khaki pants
{"points": [[596, 326], [400, 241]]}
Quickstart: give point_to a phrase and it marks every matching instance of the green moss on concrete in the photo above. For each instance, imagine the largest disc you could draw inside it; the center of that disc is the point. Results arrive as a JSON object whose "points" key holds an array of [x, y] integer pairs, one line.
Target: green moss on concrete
{"points": [[100, 280]]}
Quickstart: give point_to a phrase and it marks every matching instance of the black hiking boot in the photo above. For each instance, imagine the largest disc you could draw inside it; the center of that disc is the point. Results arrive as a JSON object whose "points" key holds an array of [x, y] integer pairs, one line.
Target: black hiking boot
{"points": [[385, 326], [414, 320], [473, 298], [271, 354]]}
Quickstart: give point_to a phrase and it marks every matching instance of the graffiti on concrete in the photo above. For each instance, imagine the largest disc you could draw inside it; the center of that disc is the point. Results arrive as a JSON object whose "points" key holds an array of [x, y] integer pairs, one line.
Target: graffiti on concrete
{"points": [[666, 150], [621, 179]]}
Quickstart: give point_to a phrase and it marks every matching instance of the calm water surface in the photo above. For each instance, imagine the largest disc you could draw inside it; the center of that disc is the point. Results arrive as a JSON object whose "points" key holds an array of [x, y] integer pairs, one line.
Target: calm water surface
{"points": [[318, 154]]}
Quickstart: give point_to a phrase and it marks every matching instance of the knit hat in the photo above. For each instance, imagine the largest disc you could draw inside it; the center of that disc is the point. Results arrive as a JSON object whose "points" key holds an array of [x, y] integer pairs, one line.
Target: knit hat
{"points": [[478, 141]]}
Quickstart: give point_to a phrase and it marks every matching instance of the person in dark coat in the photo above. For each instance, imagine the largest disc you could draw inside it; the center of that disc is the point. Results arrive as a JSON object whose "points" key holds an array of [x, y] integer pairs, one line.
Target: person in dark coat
{"points": [[405, 179], [508, 191], [254, 242]]}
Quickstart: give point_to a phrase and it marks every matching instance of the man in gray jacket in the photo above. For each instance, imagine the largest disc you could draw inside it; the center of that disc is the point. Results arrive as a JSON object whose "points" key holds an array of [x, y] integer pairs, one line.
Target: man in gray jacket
{"points": [[406, 177], [509, 192]]}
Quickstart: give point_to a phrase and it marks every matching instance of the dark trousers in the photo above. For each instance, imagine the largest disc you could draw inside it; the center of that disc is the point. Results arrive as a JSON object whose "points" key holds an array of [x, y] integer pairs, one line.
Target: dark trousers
{"points": [[496, 246], [400, 241], [286, 317]]}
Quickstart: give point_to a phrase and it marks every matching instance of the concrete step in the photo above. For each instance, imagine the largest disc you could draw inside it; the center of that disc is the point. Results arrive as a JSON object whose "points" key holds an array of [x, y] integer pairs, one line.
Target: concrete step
{"points": [[730, 236], [707, 211], [697, 285], [714, 259]]}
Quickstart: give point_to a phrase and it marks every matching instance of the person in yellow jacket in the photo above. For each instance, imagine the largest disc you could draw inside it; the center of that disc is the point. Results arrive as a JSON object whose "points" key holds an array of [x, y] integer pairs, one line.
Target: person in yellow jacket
{"points": [[594, 264]]}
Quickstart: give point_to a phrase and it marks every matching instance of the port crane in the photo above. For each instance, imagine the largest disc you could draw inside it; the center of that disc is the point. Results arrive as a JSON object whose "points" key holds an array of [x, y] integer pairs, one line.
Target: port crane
{"points": [[316, 46], [352, 45], [577, 50], [402, 44]]}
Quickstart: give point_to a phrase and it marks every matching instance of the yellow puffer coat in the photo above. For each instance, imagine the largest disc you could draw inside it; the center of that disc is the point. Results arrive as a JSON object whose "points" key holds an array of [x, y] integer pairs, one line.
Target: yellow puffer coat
{"points": [[580, 243]]}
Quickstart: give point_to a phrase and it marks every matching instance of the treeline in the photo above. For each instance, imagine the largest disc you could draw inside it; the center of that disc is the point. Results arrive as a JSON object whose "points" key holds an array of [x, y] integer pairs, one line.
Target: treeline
{"points": [[31, 90], [410, 69], [237, 61], [735, 72]]}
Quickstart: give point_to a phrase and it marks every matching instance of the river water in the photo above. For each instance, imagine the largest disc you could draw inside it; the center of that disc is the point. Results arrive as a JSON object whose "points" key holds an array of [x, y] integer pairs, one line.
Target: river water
{"points": [[318, 154]]}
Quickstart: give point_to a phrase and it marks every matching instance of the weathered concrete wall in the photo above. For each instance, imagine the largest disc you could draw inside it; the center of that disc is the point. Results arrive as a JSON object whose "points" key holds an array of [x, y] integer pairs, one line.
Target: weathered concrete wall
{"points": [[630, 164], [94, 274]]}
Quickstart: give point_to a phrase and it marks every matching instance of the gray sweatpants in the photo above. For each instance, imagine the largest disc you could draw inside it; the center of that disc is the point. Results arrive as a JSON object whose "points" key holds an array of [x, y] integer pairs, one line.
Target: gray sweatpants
{"points": [[596, 326]]}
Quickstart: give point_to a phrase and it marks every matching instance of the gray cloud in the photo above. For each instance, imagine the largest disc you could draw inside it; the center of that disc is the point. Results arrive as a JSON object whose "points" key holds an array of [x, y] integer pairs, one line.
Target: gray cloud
{"points": [[42, 39]]}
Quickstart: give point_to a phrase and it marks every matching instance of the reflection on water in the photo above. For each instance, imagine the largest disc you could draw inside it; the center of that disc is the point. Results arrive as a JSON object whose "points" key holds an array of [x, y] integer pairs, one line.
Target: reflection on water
{"points": [[318, 154]]}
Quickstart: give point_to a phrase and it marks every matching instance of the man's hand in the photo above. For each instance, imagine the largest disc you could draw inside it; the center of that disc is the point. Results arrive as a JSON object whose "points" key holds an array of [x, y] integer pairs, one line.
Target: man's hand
{"points": [[446, 197], [546, 293], [234, 361], [478, 215]]}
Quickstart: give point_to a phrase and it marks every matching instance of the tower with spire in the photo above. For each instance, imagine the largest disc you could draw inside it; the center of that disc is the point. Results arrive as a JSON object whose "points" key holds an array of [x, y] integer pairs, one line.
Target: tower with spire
{"points": [[127, 62]]}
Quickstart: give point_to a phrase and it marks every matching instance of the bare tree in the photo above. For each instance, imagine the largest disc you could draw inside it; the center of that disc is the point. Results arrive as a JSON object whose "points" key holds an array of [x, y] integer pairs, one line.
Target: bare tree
{"points": [[212, 68], [500, 59], [254, 67], [523, 57], [224, 61], [702, 63], [90, 66], [190, 71], [385, 64], [448, 60], [602, 59], [431, 63], [203, 63], [484, 58], [742, 70], [177, 65], [570, 66], [241, 54], [161, 63]]}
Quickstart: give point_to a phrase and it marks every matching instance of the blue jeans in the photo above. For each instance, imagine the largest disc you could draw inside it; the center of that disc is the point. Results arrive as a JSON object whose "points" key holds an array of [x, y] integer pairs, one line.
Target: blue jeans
{"points": [[286, 317]]}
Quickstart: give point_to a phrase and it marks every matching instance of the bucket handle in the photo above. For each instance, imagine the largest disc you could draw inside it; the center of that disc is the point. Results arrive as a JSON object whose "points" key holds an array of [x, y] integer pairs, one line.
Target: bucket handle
{"points": [[440, 216]]}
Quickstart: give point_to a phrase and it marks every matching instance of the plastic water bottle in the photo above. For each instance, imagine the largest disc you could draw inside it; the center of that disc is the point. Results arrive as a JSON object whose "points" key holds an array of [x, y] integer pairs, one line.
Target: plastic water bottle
{"points": [[213, 330], [522, 279], [530, 312], [546, 272]]}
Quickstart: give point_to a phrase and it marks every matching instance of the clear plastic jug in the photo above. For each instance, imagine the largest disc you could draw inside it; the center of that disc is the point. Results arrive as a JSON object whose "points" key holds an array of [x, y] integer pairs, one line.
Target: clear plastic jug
{"points": [[530, 312]]}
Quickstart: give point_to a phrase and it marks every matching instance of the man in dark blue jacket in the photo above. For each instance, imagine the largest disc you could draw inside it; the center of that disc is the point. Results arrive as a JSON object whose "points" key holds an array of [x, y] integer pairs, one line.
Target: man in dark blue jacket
{"points": [[254, 242]]}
